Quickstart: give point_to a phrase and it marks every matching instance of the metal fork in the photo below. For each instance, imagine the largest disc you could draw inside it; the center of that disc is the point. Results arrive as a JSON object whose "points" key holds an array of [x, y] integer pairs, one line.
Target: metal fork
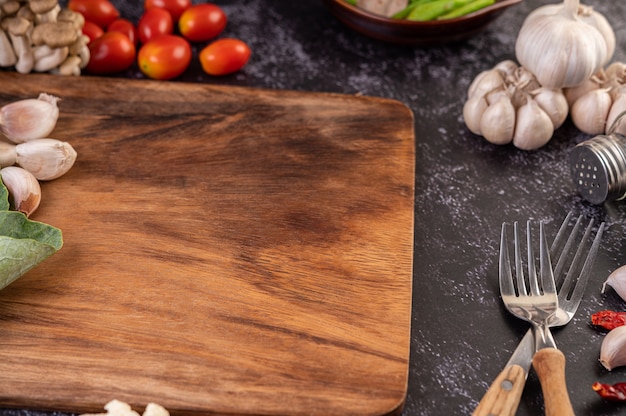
{"points": [[536, 301], [504, 394]]}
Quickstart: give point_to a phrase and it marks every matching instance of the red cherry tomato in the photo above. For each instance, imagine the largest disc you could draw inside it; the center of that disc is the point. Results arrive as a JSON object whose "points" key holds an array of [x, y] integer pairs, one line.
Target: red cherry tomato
{"points": [[92, 30], [126, 27], [112, 52], [164, 57], [224, 56], [175, 7], [154, 23], [100, 12], [202, 22]]}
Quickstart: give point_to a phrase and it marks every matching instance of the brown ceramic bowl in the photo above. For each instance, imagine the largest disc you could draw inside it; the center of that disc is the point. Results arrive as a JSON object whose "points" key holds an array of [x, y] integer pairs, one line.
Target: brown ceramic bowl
{"points": [[416, 33]]}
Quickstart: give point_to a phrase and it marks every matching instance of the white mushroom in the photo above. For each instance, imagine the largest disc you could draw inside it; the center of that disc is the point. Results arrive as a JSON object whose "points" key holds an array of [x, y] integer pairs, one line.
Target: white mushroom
{"points": [[54, 34], [80, 49], [7, 55], [47, 58], [71, 66], [45, 10], [9, 7], [18, 29]]}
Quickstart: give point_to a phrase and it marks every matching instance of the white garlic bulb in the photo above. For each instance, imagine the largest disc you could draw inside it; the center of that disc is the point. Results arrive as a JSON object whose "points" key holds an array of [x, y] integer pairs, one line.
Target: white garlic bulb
{"points": [[600, 101], [613, 348], [564, 44], [617, 281], [508, 105]]}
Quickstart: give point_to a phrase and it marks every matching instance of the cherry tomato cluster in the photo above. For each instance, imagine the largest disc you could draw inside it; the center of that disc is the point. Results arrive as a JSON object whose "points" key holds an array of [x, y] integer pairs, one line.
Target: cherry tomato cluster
{"points": [[160, 42]]}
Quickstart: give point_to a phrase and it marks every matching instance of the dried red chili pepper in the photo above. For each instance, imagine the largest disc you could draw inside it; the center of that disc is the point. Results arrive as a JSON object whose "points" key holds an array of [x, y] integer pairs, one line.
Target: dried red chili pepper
{"points": [[609, 319], [615, 392]]}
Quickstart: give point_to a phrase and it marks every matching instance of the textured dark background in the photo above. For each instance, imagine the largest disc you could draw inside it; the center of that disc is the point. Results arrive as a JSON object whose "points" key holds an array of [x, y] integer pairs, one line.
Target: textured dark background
{"points": [[465, 188]]}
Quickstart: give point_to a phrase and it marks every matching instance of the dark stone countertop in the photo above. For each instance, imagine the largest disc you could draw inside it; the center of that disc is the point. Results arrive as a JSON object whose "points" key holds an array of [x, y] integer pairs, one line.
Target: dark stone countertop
{"points": [[465, 188]]}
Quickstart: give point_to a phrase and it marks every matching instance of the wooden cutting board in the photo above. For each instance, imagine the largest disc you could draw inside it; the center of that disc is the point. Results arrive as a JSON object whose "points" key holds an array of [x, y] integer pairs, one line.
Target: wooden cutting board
{"points": [[227, 251]]}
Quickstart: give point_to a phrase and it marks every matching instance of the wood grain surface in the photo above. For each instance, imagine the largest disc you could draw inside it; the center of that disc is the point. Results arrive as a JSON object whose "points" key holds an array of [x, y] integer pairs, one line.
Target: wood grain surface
{"points": [[227, 251]]}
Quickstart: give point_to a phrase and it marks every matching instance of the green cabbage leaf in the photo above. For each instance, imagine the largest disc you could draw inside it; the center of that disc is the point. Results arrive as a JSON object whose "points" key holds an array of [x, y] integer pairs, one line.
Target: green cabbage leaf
{"points": [[23, 243]]}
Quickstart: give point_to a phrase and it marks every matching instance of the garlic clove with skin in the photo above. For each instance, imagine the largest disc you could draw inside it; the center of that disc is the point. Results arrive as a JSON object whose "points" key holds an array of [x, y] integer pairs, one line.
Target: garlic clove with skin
{"points": [[617, 281], [613, 348], [8, 154], [590, 111], [29, 119], [553, 103], [46, 158], [23, 187], [533, 128], [473, 111], [498, 121]]}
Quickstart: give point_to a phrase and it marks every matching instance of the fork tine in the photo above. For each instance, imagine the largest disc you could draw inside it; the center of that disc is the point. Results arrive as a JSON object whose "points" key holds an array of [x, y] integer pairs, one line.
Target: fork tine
{"points": [[574, 270], [583, 277], [506, 277], [547, 277], [532, 271], [562, 257], [519, 268]]}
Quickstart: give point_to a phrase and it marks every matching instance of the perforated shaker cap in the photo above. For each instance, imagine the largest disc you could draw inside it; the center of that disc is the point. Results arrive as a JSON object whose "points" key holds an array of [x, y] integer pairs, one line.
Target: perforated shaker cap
{"points": [[598, 168]]}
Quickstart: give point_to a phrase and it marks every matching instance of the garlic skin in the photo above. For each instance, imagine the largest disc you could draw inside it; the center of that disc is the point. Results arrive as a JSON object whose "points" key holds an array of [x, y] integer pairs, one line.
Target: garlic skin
{"points": [[29, 119], [508, 105], [46, 159], [23, 187], [550, 30], [617, 281], [600, 101], [613, 348]]}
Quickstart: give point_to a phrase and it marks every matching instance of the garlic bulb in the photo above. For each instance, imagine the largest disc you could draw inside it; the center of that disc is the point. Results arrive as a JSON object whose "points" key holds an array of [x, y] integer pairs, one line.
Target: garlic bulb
{"points": [[508, 105], [29, 119], [617, 281], [613, 348], [46, 159], [23, 187], [564, 44], [600, 101]]}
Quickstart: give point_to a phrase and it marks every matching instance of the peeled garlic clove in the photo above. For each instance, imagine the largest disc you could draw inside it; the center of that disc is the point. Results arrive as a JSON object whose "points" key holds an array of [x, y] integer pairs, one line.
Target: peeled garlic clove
{"points": [[46, 159], [473, 111], [23, 187], [29, 119], [613, 348], [554, 104], [533, 127], [498, 121], [617, 281], [590, 111]]}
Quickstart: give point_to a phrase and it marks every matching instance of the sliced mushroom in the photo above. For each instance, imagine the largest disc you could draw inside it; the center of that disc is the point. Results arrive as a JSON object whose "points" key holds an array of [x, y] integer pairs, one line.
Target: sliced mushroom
{"points": [[47, 58], [54, 34]]}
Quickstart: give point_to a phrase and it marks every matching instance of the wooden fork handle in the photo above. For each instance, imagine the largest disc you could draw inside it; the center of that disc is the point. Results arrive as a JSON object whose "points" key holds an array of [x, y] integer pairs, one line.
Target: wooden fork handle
{"points": [[549, 364], [504, 394]]}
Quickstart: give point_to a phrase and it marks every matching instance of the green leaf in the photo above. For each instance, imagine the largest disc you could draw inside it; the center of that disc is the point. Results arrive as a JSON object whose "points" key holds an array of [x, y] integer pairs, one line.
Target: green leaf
{"points": [[23, 243]]}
